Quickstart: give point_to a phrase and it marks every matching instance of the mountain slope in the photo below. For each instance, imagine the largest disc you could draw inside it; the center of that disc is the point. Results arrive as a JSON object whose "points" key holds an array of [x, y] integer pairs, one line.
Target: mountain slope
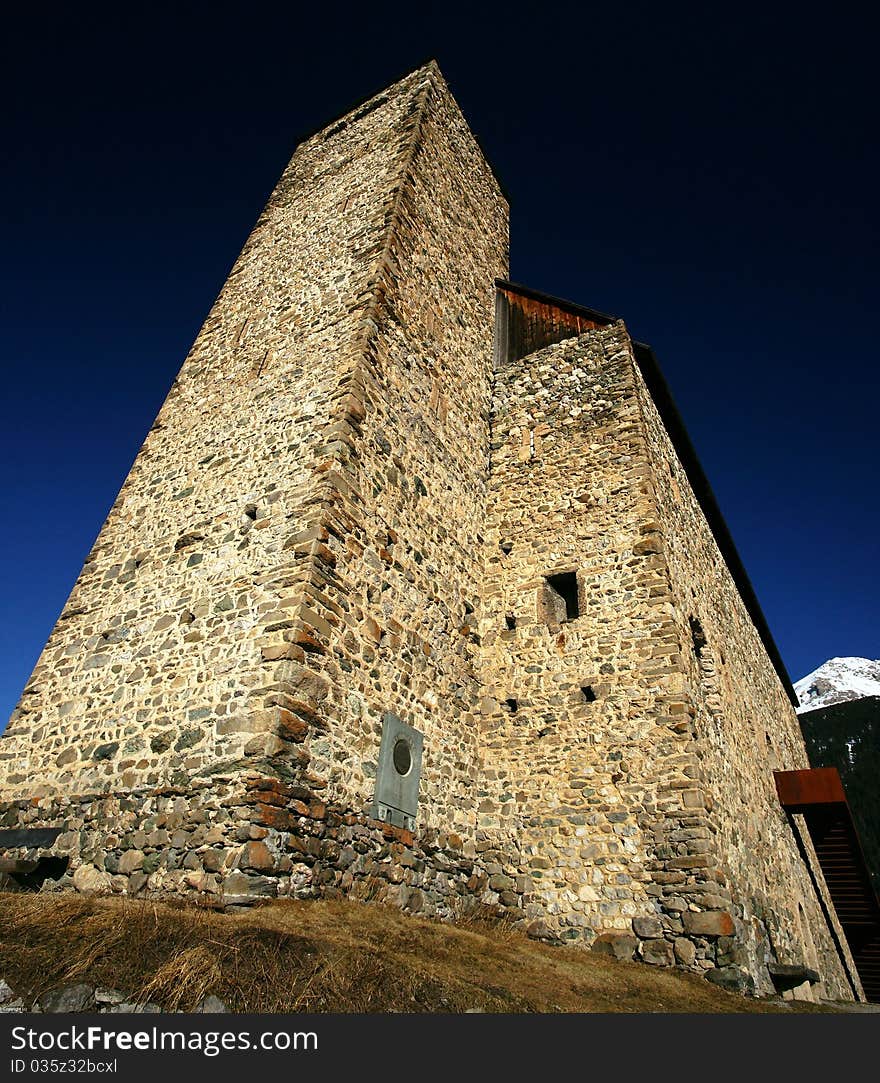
{"points": [[837, 681]]}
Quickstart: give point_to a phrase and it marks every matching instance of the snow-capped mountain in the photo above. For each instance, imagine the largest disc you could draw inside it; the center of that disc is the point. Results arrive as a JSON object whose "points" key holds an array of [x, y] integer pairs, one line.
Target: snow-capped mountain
{"points": [[837, 681]]}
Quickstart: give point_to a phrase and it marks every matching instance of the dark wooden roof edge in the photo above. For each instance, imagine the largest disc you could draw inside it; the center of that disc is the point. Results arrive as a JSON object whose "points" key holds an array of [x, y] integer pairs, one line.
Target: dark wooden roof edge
{"points": [[681, 441], [430, 63], [558, 302]]}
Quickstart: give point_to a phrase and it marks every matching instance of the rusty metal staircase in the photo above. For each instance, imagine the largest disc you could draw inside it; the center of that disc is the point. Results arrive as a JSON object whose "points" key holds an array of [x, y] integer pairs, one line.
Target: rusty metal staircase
{"points": [[819, 796]]}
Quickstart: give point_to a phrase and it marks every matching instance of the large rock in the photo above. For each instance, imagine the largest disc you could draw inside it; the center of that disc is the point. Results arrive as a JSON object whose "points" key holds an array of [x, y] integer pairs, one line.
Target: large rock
{"points": [[240, 888], [540, 930], [647, 927], [620, 945], [257, 855], [791, 975], [657, 952], [131, 861], [732, 979], [708, 923], [136, 882], [212, 1004], [10, 1001], [91, 881], [685, 951], [68, 998]]}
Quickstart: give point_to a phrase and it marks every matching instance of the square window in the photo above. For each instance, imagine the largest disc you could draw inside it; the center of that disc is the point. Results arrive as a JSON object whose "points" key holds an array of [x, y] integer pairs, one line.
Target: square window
{"points": [[559, 600]]}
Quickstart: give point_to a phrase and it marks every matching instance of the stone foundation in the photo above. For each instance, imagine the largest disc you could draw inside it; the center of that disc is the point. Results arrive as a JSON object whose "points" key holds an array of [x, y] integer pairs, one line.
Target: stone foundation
{"points": [[235, 842]]}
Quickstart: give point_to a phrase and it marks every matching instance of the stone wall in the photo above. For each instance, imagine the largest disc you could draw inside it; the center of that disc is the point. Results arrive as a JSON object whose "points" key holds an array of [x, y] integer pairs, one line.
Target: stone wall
{"points": [[232, 841], [638, 803], [585, 720], [387, 618], [743, 728]]}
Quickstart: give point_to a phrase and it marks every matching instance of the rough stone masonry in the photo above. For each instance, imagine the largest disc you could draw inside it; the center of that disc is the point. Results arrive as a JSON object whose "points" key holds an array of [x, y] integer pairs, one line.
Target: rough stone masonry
{"points": [[388, 484]]}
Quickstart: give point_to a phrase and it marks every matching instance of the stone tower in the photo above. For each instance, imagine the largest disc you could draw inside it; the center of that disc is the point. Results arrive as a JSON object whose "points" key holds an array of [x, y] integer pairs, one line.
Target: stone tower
{"points": [[416, 591]]}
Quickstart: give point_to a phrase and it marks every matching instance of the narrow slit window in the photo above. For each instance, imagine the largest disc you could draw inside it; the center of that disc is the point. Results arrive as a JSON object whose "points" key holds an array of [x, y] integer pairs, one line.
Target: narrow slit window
{"points": [[588, 693], [510, 621], [698, 636]]}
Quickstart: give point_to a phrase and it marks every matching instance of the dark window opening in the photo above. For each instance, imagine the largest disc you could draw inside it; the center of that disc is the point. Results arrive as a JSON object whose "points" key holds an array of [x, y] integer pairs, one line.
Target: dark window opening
{"points": [[31, 875], [510, 621], [588, 693], [506, 547], [512, 705], [250, 511], [561, 597], [698, 636]]}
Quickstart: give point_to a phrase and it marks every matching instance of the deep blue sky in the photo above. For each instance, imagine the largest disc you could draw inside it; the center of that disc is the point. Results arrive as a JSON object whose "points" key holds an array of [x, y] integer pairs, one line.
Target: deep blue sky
{"points": [[708, 173]]}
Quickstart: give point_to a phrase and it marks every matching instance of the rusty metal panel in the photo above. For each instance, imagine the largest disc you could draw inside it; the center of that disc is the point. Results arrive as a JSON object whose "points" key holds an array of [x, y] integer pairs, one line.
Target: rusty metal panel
{"points": [[816, 786]]}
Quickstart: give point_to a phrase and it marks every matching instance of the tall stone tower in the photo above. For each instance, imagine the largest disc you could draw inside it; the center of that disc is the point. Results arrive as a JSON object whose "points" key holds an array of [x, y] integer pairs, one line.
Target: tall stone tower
{"points": [[416, 591]]}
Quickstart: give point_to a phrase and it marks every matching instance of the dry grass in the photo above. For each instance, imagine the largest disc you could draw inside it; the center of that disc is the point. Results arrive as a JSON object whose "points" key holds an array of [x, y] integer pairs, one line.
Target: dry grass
{"points": [[324, 956]]}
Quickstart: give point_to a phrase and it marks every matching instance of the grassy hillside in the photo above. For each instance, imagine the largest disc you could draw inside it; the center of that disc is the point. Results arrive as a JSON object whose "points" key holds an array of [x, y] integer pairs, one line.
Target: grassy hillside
{"points": [[323, 956]]}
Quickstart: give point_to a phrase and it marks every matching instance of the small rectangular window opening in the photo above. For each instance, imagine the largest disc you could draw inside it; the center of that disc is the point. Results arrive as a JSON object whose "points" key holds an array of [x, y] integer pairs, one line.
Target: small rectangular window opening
{"points": [[510, 621], [561, 597], [512, 705], [588, 693]]}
